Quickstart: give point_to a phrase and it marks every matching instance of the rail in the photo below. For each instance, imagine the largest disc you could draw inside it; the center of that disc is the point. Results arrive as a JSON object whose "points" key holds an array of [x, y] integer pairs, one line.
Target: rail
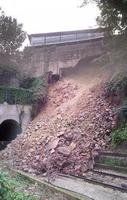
{"points": [[15, 95], [63, 37]]}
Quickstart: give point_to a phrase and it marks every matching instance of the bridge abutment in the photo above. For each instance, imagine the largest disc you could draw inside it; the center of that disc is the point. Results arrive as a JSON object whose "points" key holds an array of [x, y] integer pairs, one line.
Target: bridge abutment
{"points": [[41, 59]]}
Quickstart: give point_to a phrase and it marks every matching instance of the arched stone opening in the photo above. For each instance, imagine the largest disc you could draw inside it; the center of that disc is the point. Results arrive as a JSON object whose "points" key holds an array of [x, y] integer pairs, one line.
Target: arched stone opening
{"points": [[9, 129]]}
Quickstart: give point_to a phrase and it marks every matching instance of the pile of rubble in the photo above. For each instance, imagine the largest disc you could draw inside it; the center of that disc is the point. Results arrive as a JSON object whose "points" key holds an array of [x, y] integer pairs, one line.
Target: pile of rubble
{"points": [[67, 134]]}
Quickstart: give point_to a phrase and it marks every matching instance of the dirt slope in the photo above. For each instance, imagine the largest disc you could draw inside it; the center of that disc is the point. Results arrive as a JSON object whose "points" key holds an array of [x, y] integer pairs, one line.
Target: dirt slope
{"points": [[69, 131]]}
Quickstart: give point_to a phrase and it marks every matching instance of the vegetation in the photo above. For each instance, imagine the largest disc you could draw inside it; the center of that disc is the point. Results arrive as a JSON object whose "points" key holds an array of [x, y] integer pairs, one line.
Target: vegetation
{"points": [[114, 161], [119, 135], [15, 95], [113, 14], [8, 72], [11, 38], [16, 186], [32, 91], [8, 189], [10, 69], [118, 84], [11, 34], [116, 90], [38, 86]]}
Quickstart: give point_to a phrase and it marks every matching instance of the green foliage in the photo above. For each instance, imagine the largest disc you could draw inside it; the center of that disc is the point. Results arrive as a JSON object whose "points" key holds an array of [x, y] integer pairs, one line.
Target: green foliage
{"points": [[11, 69], [114, 161], [11, 34], [34, 93], [8, 189], [113, 14], [33, 83], [122, 112], [118, 84], [15, 95], [119, 135], [38, 86], [116, 91]]}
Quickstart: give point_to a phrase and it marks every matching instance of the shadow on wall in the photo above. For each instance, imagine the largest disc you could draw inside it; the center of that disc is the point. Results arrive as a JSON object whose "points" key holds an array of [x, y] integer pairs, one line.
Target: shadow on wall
{"points": [[9, 129], [78, 67]]}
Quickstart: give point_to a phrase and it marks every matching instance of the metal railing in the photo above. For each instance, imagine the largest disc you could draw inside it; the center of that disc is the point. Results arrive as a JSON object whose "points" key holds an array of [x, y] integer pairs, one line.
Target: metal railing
{"points": [[15, 95], [64, 37]]}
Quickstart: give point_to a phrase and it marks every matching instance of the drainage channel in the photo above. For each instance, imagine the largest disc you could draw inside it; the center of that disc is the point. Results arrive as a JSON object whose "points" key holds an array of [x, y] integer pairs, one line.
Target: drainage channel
{"points": [[9, 129]]}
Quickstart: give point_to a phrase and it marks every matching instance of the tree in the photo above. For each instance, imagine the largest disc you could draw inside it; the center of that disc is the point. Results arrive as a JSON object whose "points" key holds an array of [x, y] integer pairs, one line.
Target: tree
{"points": [[11, 34], [113, 14]]}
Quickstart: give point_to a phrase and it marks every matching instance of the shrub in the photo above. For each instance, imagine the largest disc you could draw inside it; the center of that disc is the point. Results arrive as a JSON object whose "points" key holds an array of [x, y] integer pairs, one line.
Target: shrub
{"points": [[35, 93], [122, 112], [15, 95], [119, 135], [33, 83], [39, 87], [8, 189], [116, 91], [117, 85]]}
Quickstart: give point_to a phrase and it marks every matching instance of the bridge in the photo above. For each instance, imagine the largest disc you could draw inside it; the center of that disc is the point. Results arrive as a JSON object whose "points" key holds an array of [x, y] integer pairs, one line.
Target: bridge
{"points": [[57, 51], [64, 37]]}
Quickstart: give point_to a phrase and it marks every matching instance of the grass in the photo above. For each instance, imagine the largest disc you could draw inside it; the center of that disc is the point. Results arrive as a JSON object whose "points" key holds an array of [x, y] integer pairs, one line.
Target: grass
{"points": [[114, 162], [10, 189], [15, 186], [119, 135]]}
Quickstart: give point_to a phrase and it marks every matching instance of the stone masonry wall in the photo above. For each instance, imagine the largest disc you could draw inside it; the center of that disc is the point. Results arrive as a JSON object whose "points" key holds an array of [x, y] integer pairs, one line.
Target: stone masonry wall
{"points": [[19, 113], [41, 59]]}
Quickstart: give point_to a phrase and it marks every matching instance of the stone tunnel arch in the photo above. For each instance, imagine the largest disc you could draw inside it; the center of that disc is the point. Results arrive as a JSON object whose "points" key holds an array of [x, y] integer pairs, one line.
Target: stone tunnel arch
{"points": [[9, 129]]}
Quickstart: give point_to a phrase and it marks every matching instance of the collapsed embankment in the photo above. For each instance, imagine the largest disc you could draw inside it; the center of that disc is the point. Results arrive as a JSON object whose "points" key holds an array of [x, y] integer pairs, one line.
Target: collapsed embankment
{"points": [[68, 132], [74, 125]]}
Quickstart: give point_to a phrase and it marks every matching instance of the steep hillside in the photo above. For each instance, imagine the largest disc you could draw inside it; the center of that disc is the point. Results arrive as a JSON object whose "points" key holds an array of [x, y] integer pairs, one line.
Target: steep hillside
{"points": [[74, 125]]}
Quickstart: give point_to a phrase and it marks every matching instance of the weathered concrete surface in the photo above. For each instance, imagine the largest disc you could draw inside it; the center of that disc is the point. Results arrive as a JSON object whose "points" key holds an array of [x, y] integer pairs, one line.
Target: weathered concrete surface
{"points": [[93, 191], [19, 113], [36, 179], [41, 59]]}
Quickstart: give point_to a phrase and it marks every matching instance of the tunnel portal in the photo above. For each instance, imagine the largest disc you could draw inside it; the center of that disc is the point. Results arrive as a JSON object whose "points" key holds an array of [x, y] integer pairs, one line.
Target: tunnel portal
{"points": [[9, 129]]}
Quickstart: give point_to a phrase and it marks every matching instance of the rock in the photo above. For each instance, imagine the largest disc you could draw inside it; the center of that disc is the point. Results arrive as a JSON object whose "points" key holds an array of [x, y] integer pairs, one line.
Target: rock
{"points": [[53, 144], [64, 150], [67, 137], [72, 146], [52, 151], [36, 128]]}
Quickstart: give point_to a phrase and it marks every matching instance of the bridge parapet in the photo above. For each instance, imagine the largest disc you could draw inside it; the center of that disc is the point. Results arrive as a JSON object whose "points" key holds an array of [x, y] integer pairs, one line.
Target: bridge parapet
{"points": [[64, 37]]}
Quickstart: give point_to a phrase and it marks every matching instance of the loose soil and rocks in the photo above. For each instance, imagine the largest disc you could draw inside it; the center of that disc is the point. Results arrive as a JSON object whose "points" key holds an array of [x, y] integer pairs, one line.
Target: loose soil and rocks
{"points": [[67, 134]]}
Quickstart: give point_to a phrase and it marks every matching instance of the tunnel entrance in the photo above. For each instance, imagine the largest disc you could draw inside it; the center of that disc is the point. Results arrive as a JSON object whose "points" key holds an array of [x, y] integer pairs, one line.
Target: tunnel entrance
{"points": [[9, 129]]}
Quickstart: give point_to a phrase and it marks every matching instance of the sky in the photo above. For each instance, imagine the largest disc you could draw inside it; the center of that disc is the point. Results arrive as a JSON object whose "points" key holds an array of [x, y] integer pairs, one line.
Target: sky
{"points": [[40, 16]]}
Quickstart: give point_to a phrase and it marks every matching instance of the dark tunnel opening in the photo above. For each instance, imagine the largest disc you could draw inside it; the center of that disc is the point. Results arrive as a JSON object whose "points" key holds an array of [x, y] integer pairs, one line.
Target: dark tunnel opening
{"points": [[9, 129]]}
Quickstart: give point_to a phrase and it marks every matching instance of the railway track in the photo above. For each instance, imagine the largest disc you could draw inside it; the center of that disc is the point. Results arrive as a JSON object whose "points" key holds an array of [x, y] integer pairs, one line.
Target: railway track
{"points": [[110, 171]]}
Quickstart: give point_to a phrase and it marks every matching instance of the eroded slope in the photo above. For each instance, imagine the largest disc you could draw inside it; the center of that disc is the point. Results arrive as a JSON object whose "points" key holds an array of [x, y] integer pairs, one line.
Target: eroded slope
{"points": [[67, 133]]}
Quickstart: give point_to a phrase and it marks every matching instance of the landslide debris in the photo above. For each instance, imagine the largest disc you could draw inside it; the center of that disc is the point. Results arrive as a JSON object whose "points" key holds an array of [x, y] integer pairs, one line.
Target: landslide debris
{"points": [[67, 133]]}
